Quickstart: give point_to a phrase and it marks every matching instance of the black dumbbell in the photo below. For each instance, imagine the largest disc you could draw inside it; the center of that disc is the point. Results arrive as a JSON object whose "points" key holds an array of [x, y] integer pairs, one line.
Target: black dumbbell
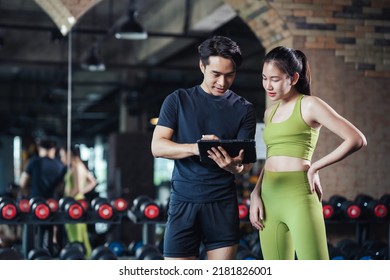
{"points": [[72, 209], [103, 253], [73, 251], [245, 253], [385, 199], [148, 252], [344, 209], [102, 208], [252, 241], [10, 254], [145, 209], [39, 208], [8, 209], [39, 254], [378, 248], [353, 251], [372, 208], [335, 253]]}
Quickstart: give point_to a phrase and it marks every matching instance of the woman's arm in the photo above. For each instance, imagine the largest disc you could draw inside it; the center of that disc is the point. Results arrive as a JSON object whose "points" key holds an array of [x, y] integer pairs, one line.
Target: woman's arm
{"points": [[353, 139], [256, 210], [317, 113]]}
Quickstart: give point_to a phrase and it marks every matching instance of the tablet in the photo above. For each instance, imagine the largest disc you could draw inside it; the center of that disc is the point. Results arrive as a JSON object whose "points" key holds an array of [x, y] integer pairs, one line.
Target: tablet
{"points": [[232, 146]]}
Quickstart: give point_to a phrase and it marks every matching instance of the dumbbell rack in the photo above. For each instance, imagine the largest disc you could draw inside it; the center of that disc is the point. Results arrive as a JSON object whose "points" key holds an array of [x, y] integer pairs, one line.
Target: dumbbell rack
{"points": [[38, 226], [148, 227], [362, 228]]}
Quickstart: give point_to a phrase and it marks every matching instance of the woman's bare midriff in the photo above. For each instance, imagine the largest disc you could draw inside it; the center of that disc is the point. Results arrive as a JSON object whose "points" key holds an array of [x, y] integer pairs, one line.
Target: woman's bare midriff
{"points": [[284, 163]]}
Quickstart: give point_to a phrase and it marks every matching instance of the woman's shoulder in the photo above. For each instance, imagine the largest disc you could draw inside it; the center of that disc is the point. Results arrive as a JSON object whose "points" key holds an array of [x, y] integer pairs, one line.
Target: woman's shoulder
{"points": [[268, 110], [312, 102]]}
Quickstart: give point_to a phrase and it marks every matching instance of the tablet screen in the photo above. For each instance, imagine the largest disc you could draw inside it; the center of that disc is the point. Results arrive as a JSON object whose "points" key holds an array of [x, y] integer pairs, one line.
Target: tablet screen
{"points": [[232, 146]]}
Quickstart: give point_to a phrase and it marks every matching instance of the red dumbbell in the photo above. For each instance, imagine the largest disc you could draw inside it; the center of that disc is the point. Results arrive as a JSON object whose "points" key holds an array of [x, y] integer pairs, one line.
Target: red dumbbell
{"points": [[345, 209], [119, 204], [53, 204], [327, 210], [24, 205], [39, 208], [8, 209], [243, 209], [145, 209], [372, 208], [84, 203], [72, 209], [102, 208]]}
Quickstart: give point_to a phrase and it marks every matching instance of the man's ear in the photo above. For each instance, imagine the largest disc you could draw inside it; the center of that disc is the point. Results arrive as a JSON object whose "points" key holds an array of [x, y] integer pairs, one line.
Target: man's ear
{"points": [[201, 66]]}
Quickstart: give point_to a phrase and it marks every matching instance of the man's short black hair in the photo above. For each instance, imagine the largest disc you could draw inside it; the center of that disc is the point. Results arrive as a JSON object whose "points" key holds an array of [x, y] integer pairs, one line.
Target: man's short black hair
{"points": [[47, 144], [220, 46]]}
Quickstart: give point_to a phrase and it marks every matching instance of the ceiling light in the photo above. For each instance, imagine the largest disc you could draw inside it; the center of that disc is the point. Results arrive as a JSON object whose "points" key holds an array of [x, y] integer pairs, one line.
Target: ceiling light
{"points": [[92, 61], [131, 29]]}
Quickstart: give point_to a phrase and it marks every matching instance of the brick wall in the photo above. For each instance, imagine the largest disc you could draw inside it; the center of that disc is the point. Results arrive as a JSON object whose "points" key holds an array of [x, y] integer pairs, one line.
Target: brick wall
{"points": [[348, 46]]}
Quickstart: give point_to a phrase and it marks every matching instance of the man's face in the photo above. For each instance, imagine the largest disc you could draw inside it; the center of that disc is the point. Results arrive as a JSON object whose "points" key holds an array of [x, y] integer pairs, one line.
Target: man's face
{"points": [[219, 75]]}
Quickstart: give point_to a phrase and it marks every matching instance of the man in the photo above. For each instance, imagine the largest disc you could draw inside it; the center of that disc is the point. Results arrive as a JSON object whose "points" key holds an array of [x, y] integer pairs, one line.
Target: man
{"points": [[42, 178], [203, 201], [44, 173]]}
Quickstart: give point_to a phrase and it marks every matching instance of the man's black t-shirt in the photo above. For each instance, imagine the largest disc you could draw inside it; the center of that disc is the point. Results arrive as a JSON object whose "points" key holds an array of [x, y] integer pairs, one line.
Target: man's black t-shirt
{"points": [[192, 113]]}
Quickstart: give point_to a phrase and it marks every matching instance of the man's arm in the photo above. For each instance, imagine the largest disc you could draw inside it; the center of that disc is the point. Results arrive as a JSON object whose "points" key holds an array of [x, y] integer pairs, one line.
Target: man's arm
{"points": [[163, 146]]}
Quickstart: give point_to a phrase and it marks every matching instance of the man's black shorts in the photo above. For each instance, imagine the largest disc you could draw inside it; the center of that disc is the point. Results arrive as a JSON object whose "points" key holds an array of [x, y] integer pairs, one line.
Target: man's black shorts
{"points": [[216, 224]]}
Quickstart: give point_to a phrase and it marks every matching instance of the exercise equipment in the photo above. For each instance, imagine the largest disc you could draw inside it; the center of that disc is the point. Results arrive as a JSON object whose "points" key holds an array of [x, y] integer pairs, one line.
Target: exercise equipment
{"points": [[8, 209], [244, 253], [53, 204], [148, 252], [133, 246], [353, 251], [371, 208], [243, 209], [343, 208], [102, 208], [120, 204], [335, 253], [39, 208], [103, 253], [252, 241], [385, 199], [73, 251], [39, 254], [145, 209], [118, 247], [24, 205], [71, 208], [84, 203], [327, 210], [10, 254], [379, 249]]}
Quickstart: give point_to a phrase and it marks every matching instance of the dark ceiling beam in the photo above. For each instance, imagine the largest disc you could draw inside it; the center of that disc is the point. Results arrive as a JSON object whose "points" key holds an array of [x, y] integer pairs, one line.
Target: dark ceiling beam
{"points": [[195, 35], [111, 66]]}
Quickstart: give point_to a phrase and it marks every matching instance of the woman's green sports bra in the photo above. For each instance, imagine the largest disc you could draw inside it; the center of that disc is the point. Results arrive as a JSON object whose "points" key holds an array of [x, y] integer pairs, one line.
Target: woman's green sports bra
{"points": [[292, 137]]}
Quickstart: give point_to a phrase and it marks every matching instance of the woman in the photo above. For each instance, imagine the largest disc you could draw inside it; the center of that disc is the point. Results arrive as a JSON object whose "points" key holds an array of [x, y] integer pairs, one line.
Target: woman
{"points": [[286, 201], [78, 181]]}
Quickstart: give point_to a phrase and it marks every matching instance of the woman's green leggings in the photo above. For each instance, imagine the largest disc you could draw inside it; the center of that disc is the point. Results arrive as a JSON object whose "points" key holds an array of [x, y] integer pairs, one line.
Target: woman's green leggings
{"points": [[79, 233], [293, 220]]}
